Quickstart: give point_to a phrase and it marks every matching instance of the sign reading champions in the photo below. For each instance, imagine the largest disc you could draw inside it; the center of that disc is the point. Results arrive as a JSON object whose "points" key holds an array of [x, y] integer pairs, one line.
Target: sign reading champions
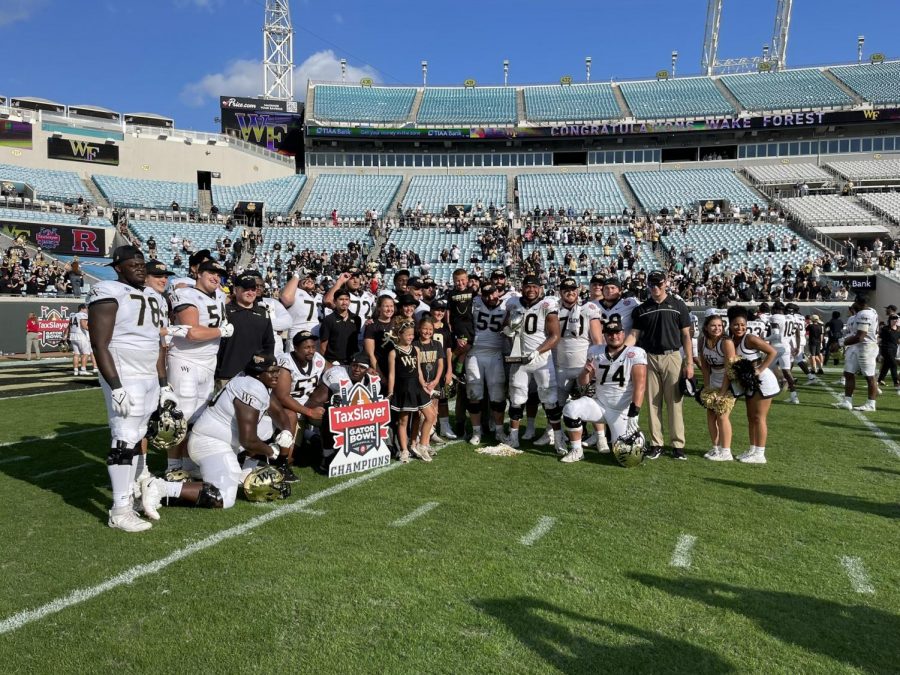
{"points": [[360, 428]]}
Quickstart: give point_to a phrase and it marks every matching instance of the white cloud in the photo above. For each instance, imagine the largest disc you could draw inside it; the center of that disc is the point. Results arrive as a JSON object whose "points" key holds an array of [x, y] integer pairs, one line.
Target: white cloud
{"points": [[244, 77], [12, 11]]}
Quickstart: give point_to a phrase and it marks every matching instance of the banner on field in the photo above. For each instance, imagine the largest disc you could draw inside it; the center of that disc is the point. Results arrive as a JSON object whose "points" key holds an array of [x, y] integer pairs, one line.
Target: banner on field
{"points": [[15, 134], [82, 151], [52, 317], [360, 428], [61, 239]]}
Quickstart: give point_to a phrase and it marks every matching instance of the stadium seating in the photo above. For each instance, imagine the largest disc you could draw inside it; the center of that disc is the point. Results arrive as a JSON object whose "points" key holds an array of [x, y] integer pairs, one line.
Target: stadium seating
{"points": [[683, 97], [363, 104], [597, 192], [279, 194], [884, 203], [470, 105], [878, 83], [869, 169], [317, 238], [146, 194], [201, 236], [786, 90], [788, 174], [646, 258], [578, 102], [48, 184], [822, 210], [435, 193], [351, 195], [658, 189], [49, 217], [428, 244]]}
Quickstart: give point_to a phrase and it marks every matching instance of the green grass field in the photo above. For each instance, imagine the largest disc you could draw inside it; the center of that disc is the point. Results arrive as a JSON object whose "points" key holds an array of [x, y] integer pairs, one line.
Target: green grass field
{"points": [[332, 583]]}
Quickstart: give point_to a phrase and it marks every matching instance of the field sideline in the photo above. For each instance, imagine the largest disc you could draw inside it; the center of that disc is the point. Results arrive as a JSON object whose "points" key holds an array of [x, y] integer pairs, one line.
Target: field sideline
{"points": [[469, 564]]}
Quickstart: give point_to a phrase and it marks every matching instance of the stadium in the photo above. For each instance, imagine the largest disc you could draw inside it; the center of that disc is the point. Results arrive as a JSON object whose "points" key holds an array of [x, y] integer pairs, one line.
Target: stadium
{"points": [[751, 185]]}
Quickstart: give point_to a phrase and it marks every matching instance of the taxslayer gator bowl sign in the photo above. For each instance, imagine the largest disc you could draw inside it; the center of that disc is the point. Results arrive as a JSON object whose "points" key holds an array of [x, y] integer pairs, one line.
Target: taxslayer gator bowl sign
{"points": [[53, 324], [360, 428]]}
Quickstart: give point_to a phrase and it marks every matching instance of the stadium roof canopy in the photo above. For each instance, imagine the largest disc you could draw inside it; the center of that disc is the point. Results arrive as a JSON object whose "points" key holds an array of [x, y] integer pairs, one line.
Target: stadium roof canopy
{"points": [[95, 108], [152, 116], [35, 99]]}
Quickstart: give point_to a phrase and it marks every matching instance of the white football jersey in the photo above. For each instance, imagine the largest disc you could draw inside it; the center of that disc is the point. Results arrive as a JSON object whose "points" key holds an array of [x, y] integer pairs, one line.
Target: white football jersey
{"points": [[361, 305], [778, 330], [185, 282], [140, 315], [866, 320], [758, 328], [219, 419], [575, 334], [621, 310], [211, 311], [796, 328], [333, 376], [612, 376], [305, 380], [534, 319], [488, 324], [75, 329], [304, 312], [280, 318]]}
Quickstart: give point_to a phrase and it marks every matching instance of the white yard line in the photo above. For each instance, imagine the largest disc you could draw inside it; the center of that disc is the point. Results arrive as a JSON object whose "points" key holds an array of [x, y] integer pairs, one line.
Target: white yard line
{"points": [[10, 460], [129, 576], [47, 393], [51, 437], [273, 505], [682, 555], [889, 443], [66, 470], [544, 525], [418, 513], [859, 579]]}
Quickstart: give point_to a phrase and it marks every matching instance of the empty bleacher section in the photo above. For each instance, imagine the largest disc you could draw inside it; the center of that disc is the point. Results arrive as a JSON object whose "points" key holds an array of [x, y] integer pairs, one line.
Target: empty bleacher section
{"points": [[146, 194], [828, 210], [788, 174], [201, 236], [279, 194], [50, 217], [886, 204], [577, 102], [596, 192], [786, 90], [48, 184], [363, 104], [666, 189], [316, 238], [878, 83], [886, 170], [428, 244], [470, 105], [351, 195], [435, 193], [597, 258], [684, 97]]}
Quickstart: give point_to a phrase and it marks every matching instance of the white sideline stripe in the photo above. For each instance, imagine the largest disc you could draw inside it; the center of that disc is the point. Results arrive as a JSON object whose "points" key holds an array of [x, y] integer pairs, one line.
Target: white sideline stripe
{"points": [[544, 524], [9, 460], [273, 505], [129, 576], [857, 573], [891, 445], [47, 393], [66, 470], [51, 437], [418, 513], [682, 555]]}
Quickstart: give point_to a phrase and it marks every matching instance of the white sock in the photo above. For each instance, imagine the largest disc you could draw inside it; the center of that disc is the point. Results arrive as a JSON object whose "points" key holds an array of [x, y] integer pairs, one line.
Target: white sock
{"points": [[476, 430], [601, 441], [559, 436], [121, 477], [725, 451], [445, 424], [576, 445], [716, 448], [173, 490], [849, 399], [173, 464], [871, 403], [513, 434], [760, 450], [529, 425]]}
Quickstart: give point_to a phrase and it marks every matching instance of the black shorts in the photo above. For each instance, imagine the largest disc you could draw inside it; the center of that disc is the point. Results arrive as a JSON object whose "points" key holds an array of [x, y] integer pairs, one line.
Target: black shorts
{"points": [[815, 349]]}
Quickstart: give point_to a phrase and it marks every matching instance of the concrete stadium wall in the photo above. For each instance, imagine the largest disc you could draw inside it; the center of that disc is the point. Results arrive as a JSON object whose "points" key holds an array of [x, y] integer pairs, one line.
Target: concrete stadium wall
{"points": [[146, 157]]}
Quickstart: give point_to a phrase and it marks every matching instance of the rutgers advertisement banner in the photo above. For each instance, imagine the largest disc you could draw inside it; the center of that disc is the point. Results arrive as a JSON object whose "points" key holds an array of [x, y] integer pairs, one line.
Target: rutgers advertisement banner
{"points": [[56, 238], [82, 151]]}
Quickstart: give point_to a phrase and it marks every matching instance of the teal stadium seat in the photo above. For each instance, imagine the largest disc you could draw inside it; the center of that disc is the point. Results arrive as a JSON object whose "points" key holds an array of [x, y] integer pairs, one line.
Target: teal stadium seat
{"points": [[435, 193], [146, 194], [47, 183], [279, 194], [351, 195], [682, 97], [470, 105], [201, 236], [598, 192], [786, 90], [658, 189], [316, 238], [577, 102], [50, 217], [878, 83], [428, 244], [340, 103]]}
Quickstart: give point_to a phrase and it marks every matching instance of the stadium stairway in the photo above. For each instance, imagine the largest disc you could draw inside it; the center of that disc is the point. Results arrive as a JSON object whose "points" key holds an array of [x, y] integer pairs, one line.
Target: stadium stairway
{"points": [[622, 103], [204, 200], [99, 199], [726, 92], [520, 110], [398, 198], [628, 193], [417, 103], [511, 187], [301, 197], [857, 99]]}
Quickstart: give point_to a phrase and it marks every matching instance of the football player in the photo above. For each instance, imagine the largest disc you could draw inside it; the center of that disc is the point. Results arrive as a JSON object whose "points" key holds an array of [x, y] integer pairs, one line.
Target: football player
{"points": [[780, 338], [860, 354], [192, 358], [484, 363], [579, 327], [124, 320], [619, 375], [536, 318], [278, 315], [798, 340], [498, 278], [302, 302], [194, 261], [80, 341]]}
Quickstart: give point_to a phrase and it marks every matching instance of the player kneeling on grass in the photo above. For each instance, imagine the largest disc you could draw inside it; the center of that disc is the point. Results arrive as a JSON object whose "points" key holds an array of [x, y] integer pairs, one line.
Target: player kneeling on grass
{"points": [[619, 375]]}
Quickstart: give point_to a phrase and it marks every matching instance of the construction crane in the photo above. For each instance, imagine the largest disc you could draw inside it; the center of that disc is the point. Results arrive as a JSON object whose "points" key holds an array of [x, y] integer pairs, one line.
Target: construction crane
{"points": [[774, 54]]}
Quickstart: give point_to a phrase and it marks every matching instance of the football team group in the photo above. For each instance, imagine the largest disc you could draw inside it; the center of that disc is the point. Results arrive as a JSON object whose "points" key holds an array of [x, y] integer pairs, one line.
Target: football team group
{"points": [[236, 386]]}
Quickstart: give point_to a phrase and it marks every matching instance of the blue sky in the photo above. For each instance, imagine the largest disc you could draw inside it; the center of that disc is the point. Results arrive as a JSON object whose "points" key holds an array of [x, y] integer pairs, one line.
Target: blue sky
{"points": [[175, 57]]}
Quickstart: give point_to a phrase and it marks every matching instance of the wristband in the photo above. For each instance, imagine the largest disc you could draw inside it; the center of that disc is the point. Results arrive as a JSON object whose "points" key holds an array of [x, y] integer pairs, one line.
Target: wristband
{"points": [[164, 382], [633, 410]]}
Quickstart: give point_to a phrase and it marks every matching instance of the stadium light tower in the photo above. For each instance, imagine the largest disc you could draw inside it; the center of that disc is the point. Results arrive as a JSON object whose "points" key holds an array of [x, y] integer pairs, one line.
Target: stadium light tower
{"points": [[343, 70], [278, 51], [674, 61], [505, 72], [860, 41], [587, 67], [424, 73], [709, 61]]}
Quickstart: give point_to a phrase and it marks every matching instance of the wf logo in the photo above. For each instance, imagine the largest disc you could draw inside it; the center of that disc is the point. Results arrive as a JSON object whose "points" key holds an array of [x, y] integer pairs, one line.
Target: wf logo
{"points": [[257, 129], [84, 150]]}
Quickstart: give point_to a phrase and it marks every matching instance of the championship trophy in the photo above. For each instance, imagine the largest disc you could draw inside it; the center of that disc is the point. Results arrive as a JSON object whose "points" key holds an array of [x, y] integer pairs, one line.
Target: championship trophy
{"points": [[514, 330]]}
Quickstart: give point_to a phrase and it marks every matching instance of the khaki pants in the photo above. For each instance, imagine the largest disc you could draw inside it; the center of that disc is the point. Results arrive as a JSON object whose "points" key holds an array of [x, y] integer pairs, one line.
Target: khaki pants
{"points": [[663, 371], [32, 344]]}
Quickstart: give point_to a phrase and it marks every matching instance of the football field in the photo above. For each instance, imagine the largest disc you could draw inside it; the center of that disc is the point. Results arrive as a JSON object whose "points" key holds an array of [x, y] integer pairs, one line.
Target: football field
{"points": [[470, 564]]}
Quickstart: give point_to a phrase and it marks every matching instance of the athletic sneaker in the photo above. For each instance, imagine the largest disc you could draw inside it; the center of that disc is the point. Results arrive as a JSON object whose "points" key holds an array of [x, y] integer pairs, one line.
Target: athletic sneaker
{"points": [[795, 398], [83, 372], [153, 491], [125, 519], [475, 439], [753, 456], [449, 435], [719, 455], [572, 456], [508, 439], [404, 457], [865, 407], [603, 446], [653, 453], [74, 373], [842, 381], [591, 440], [678, 453], [546, 439], [820, 372], [562, 450], [528, 435], [421, 451], [811, 379], [844, 405]]}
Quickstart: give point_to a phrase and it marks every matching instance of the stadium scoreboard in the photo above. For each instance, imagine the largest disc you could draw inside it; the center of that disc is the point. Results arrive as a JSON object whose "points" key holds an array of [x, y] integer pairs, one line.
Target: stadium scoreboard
{"points": [[268, 123]]}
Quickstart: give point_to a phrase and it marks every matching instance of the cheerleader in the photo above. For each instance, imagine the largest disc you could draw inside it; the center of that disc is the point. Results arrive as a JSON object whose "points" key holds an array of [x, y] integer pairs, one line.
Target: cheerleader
{"points": [[747, 347], [406, 387], [444, 338], [377, 342], [431, 363], [715, 352]]}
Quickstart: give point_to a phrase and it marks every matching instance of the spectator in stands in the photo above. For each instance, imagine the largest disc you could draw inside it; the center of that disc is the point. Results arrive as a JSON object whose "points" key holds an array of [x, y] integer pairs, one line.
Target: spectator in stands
{"points": [[32, 337], [175, 206], [75, 277], [174, 242]]}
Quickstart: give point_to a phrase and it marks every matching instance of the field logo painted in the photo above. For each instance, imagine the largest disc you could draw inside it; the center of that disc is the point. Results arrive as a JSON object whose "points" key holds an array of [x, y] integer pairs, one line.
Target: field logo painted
{"points": [[360, 427]]}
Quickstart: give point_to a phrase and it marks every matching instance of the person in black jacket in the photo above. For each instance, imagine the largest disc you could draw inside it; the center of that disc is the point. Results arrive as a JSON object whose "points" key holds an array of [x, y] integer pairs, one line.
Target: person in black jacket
{"points": [[888, 341], [252, 330]]}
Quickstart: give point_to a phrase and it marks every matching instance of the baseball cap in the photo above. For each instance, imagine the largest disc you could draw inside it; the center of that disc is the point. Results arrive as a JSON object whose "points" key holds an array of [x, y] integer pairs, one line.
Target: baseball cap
{"points": [[488, 288], [428, 282], [498, 273], [655, 278], [814, 318], [198, 257], [598, 279], [246, 281], [213, 266], [568, 285], [157, 268], [354, 272], [892, 309], [361, 358], [893, 317], [400, 273], [259, 363], [414, 282], [341, 292], [439, 304], [123, 253], [302, 336], [531, 280], [612, 281], [407, 299], [612, 327]]}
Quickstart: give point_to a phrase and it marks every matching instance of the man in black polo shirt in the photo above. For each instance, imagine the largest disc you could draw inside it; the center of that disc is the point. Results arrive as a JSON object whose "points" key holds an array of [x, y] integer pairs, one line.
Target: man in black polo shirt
{"points": [[252, 329], [662, 327], [339, 331]]}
